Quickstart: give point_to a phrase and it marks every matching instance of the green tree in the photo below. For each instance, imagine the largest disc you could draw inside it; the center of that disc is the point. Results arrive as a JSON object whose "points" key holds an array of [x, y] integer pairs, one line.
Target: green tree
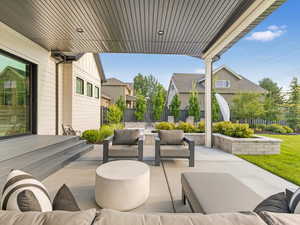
{"points": [[158, 103], [140, 84], [216, 112], [175, 106], [114, 114], [247, 106], [141, 107], [194, 107], [147, 86], [273, 99], [121, 104], [293, 103]]}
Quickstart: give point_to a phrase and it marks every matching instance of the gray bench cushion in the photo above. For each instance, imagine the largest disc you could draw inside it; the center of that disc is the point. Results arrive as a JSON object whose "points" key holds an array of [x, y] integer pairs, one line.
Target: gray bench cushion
{"points": [[218, 193], [111, 217], [174, 151], [123, 150]]}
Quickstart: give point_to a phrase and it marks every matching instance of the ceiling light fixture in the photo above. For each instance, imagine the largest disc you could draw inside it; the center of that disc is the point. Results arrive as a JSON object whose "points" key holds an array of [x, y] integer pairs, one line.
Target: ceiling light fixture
{"points": [[79, 30], [160, 32]]}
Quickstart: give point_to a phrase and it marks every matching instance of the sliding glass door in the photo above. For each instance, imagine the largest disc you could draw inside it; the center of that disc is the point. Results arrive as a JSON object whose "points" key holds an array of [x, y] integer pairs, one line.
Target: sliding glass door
{"points": [[15, 96]]}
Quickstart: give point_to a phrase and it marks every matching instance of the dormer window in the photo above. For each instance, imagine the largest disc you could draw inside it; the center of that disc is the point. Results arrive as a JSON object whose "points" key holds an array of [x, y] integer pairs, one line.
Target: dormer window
{"points": [[222, 84]]}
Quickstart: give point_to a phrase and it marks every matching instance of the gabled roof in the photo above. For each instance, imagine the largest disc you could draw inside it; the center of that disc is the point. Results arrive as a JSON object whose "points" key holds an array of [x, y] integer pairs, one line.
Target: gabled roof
{"points": [[18, 72], [184, 82], [99, 67], [114, 82]]}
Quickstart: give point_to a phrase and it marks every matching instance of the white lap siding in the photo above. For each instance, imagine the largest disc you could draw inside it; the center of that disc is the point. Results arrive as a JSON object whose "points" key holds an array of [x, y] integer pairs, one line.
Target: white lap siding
{"points": [[85, 109], [17, 44]]}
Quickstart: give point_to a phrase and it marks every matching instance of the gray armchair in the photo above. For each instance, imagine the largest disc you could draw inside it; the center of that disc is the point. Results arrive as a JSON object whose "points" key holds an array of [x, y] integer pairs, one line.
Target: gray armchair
{"points": [[127, 143], [178, 147]]}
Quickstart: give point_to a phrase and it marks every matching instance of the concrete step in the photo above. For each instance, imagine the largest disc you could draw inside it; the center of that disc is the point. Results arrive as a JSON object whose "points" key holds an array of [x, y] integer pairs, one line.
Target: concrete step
{"points": [[45, 160]]}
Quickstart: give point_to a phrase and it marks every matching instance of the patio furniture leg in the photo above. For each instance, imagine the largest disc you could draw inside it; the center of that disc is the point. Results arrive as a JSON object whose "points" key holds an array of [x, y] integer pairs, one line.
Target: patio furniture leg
{"points": [[183, 196], [140, 150], [192, 154], [105, 151], [157, 152]]}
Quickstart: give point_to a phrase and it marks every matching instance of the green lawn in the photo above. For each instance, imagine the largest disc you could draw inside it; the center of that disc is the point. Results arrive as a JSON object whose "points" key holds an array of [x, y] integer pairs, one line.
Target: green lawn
{"points": [[286, 164]]}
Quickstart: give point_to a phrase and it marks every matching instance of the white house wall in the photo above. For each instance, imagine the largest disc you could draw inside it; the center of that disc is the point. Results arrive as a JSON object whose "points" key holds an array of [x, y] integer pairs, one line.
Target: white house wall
{"points": [[85, 109], [17, 44]]}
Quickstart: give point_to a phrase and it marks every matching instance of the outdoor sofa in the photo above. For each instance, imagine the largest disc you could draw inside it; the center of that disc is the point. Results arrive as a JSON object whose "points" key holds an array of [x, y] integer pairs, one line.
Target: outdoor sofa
{"points": [[111, 217], [173, 144], [125, 143]]}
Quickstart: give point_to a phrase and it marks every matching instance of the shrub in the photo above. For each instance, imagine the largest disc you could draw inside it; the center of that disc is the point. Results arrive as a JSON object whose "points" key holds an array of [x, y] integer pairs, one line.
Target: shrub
{"points": [[238, 130], [186, 127], [201, 127], [114, 114], [108, 130], [90, 135], [165, 126], [261, 126], [276, 128], [288, 129]]}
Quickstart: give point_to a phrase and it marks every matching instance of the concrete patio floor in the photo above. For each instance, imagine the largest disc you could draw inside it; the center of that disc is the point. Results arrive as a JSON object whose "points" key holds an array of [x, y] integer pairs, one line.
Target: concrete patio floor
{"points": [[165, 190]]}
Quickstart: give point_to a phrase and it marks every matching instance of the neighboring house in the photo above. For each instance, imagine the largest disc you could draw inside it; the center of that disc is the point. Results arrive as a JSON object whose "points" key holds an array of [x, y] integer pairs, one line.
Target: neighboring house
{"points": [[114, 88], [41, 90], [226, 82], [105, 99]]}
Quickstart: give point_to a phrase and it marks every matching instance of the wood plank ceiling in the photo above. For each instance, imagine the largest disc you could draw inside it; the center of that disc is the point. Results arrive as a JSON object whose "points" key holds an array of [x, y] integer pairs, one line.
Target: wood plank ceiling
{"points": [[189, 27]]}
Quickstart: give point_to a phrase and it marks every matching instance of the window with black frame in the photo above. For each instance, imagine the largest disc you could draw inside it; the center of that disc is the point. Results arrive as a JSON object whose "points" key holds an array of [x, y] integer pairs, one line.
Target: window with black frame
{"points": [[89, 89], [15, 95]]}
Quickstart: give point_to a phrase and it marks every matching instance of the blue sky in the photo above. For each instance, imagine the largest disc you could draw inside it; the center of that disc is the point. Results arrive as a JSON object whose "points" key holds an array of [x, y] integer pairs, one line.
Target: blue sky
{"points": [[272, 50]]}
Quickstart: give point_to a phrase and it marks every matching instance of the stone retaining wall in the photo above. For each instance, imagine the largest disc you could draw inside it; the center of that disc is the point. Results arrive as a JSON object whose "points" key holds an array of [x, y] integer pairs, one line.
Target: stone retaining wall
{"points": [[248, 146]]}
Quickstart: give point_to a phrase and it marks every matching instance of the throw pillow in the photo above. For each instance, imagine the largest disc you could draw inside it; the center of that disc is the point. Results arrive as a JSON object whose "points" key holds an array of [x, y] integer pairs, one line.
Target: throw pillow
{"points": [[294, 203], [275, 203], [64, 200], [23, 192], [171, 137], [126, 137]]}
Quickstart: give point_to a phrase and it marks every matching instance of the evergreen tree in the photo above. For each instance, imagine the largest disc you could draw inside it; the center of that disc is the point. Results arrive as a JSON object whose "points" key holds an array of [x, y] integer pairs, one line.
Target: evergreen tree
{"points": [[216, 112], [121, 104], [273, 99], [293, 115], [141, 107], [175, 106], [194, 107], [158, 103]]}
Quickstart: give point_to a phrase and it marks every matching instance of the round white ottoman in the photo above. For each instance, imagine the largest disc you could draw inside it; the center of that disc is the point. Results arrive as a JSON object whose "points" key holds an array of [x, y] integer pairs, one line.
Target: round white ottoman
{"points": [[122, 185]]}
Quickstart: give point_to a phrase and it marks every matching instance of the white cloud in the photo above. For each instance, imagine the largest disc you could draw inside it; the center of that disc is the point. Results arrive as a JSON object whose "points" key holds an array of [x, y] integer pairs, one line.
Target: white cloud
{"points": [[270, 34], [200, 70]]}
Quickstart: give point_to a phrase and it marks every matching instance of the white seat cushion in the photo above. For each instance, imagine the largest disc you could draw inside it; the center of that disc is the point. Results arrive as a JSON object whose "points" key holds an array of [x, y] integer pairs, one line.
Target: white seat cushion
{"points": [[123, 150], [174, 151]]}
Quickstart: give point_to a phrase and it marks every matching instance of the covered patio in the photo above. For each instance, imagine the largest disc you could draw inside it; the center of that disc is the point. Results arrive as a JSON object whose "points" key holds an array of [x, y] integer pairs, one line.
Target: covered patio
{"points": [[202, 29], [165, 185]]}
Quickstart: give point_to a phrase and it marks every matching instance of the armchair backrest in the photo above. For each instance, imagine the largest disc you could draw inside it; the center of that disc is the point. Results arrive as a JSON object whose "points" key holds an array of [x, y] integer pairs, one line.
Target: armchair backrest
{"points": [[126, 137], [171, 137]]}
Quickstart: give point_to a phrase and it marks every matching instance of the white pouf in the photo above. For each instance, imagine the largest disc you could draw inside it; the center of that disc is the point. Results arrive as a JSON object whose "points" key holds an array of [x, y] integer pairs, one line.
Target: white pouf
{"points": [[122, 185]]}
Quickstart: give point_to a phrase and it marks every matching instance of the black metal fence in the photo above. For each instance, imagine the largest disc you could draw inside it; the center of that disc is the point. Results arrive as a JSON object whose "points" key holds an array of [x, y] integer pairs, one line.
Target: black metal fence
{"points": [[253, 122], [129, 116]]}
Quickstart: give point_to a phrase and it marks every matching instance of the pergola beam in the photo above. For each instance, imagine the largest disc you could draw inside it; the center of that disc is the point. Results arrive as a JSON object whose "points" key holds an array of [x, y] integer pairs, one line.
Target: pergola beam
{"points": [[251, 17]]}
